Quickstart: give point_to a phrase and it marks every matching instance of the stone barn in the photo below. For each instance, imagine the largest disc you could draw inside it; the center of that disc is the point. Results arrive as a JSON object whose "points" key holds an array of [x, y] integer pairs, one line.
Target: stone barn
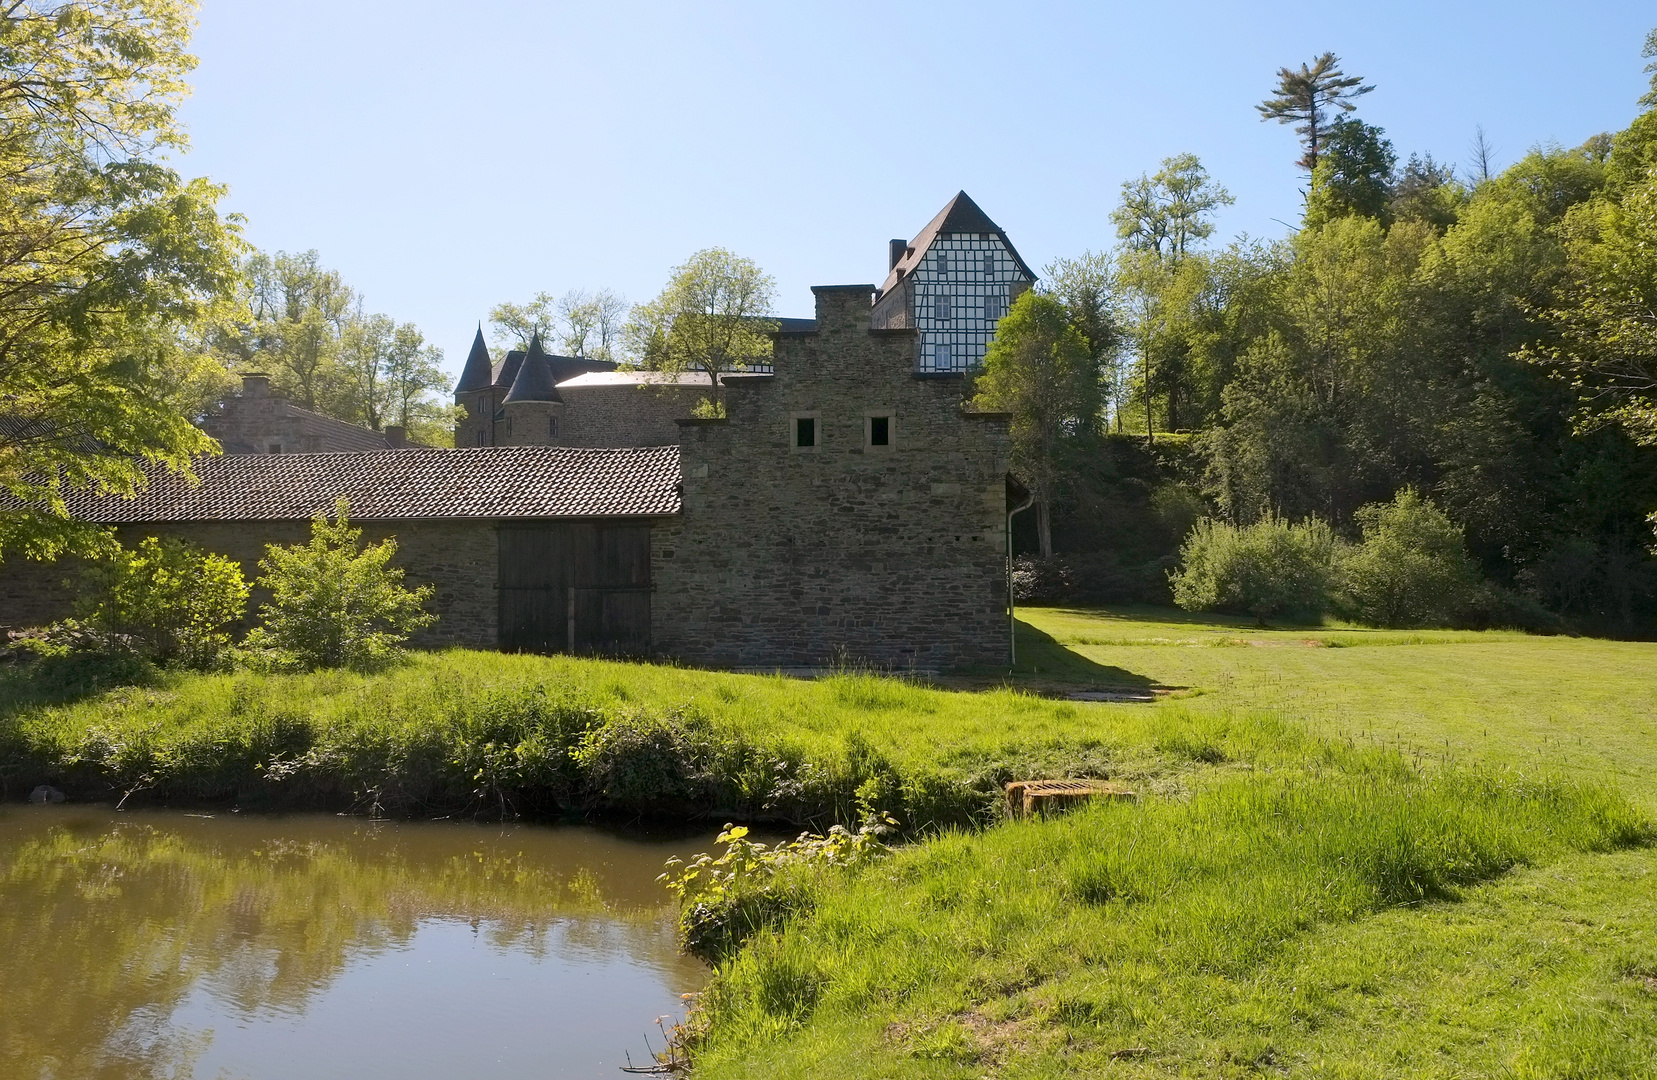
{"points": [[848, 506]]}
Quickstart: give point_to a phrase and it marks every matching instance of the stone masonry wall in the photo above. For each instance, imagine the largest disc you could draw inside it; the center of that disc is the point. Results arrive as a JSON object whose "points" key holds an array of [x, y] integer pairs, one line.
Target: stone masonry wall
{"points": [[458, 557], [785, 557], [624, 414]]}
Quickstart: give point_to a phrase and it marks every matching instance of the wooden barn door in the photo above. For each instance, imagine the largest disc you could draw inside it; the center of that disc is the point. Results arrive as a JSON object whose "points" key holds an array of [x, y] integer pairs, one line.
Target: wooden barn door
{"points": [[611, 590], [575, 587]]}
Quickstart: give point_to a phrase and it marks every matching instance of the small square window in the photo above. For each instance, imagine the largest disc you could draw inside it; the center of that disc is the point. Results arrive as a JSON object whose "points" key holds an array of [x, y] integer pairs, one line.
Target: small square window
{"points": [[276, 448], [879, 428], [805, 432]]}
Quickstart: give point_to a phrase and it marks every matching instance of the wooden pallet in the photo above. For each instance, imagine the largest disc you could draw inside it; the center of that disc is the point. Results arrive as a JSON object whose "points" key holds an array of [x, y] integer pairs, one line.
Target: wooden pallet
{"points": [[1029, 797]]}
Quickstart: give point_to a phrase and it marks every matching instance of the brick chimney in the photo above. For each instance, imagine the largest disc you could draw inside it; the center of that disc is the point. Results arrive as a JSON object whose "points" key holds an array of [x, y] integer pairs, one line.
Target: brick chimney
{"points": [[395, 436], [256, 384]]}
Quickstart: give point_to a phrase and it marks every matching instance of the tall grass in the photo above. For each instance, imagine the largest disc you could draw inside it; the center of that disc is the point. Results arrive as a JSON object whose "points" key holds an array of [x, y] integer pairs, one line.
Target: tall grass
{"points": [[1122, 920], [484, 733]]}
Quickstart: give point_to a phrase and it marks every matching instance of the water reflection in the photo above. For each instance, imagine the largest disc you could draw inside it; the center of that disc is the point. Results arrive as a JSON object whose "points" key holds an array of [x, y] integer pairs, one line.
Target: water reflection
{"points": [[169, 945]]}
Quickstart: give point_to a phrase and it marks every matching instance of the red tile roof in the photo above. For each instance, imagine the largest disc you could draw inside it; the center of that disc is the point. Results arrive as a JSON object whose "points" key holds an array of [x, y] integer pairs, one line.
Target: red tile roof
{"points": [[400, 485]]}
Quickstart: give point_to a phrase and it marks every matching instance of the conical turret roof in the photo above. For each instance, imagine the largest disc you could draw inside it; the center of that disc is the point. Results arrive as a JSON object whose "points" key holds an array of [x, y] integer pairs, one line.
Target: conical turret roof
{"points": [[534, 381], [478, 372]]}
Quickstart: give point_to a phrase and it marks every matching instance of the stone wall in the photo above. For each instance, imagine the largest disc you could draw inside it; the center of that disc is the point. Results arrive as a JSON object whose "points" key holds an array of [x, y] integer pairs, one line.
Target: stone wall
{"points": [[457, 557], [625, 414], [843, 552]]}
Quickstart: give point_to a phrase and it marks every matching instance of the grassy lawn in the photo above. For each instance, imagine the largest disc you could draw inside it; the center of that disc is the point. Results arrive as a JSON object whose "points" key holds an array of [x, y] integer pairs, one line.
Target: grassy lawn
{"points": [[1357, 853], [1583, 707]]}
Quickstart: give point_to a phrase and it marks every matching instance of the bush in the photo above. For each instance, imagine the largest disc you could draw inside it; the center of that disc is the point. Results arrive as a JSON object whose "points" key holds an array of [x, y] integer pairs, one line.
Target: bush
{"points": [[1411, 568], [166, 601], [336, 602], [1270, 568]]}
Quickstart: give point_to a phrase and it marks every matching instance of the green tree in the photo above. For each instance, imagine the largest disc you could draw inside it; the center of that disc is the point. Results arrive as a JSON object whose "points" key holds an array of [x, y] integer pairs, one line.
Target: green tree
{"points": [[1606, 314], [1353, 174], [516, 325], [1270, 568], [1427, 191], [713, 317], [1412, 567], [1040, 370], [1086, 287], [1169, 212], [110, 261], [335, 601], [1159, 220], [172, 601], [296, 314], [591, 323], [1304, 97]]}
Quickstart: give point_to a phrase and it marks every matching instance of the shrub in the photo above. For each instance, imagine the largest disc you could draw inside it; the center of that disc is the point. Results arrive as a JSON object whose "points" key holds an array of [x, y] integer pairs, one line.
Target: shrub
{"points": [[166, 601], [336, 602], [1272, 567], [1411, 568]]}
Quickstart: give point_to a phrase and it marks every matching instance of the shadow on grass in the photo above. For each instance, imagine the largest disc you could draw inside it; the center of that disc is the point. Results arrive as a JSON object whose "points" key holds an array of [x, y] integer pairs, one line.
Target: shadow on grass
{"points": [[61, 680], [1042, 655]]}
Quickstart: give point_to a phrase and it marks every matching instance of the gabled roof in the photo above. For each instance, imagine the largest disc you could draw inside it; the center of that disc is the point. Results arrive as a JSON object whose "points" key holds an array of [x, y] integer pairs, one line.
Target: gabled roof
{"points": [[534, 381], [478, 372], [959, 215], [404, 485]]}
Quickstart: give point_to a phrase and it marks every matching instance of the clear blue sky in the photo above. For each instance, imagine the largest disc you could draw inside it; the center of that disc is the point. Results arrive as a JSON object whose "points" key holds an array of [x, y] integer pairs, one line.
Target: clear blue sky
{"points": [[447, 156]]}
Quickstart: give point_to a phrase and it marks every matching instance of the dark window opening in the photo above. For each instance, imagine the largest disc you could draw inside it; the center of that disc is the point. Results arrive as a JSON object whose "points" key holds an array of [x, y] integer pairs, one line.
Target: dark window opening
{"points": [[880, 431], [552, 427], [276, 448], [805, 431]]}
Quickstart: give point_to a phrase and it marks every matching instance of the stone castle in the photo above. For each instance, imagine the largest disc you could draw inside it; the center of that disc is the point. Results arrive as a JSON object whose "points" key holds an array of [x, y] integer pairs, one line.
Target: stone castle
{"points": [[848, 505]]}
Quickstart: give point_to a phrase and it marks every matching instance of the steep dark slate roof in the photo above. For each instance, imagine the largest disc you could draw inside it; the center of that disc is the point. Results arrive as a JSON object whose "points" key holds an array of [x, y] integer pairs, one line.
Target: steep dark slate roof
{"points": [[506, 369], [401, 485], [534, 381], [959, 215], [478, 372], [563, 367]]}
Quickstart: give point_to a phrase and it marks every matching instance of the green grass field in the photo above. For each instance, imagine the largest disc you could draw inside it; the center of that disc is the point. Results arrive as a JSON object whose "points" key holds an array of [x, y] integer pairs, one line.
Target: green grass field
{"points": [[1357, 853], [1381, 875]]}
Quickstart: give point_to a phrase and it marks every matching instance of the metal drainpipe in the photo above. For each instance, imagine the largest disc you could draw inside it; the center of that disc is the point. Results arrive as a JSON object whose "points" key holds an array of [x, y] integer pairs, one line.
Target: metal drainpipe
{"points": [[1012, 622]]}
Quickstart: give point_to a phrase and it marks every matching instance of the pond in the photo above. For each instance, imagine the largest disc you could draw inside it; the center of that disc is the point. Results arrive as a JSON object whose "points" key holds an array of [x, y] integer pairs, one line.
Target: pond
{"points": [[165, 944]]}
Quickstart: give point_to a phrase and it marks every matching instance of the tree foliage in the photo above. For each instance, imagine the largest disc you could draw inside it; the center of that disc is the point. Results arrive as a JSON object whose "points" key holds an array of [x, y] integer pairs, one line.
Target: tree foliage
{"points": [[1270, 568], [111, 261], [335, 601], [167, 599], [1411, 568], [1168, 213], [1353, 174], [1041, 370], [1305, 97], [579, 323], [1606, 311], [713, 317], [301, 323]]}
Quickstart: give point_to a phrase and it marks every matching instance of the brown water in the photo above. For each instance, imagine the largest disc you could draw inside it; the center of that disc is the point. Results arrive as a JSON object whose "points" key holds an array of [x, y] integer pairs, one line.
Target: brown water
{"points": [[164, 944]]}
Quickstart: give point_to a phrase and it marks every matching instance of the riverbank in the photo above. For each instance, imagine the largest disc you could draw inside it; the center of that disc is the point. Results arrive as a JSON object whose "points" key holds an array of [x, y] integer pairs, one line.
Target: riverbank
{"points": [[1440, 837]]}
